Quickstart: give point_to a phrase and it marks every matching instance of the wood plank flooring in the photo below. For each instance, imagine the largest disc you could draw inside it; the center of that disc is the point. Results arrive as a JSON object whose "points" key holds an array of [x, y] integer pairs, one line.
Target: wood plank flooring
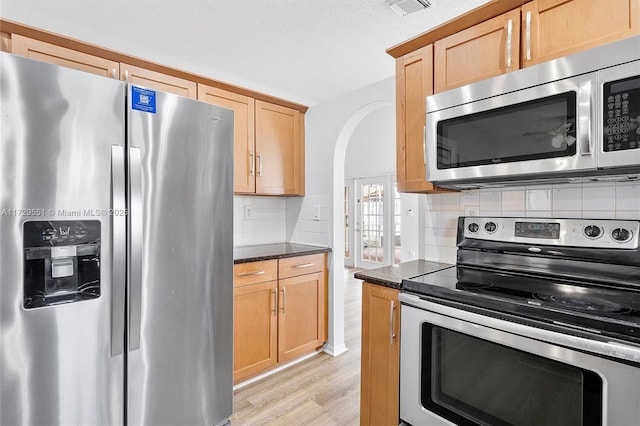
{"points": [[322, 390]]}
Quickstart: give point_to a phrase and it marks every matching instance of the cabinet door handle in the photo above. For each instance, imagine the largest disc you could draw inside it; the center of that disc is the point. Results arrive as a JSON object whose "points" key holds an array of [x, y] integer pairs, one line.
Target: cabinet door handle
{"points": [[114, 74], [424, 145], [304, 265], [249, 274], [509, 36], [259, 164], [253, 163], [284, 299], [275, 300], [528, 35], [392, 334], [126, 75]]}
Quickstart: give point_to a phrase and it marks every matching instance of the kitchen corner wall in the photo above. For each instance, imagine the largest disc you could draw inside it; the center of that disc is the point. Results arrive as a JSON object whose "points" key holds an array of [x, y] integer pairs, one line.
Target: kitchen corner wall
{"points": [[589, 201]]}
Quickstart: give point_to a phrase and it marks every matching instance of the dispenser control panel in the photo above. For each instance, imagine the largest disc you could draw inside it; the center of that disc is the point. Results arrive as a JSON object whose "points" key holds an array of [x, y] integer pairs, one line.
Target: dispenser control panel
{"points": [[61, 262]]}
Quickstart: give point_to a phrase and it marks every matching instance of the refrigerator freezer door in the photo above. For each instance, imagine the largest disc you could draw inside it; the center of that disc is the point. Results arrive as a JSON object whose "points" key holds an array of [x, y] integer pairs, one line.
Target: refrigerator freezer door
{"points": [[58, 127], [181, 295]]}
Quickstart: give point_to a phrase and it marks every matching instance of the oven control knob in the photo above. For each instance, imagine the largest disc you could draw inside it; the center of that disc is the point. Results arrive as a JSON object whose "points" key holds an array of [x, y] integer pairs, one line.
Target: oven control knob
{"points": [[592, 231], [473, 227], [621, 235], [490, 227]]}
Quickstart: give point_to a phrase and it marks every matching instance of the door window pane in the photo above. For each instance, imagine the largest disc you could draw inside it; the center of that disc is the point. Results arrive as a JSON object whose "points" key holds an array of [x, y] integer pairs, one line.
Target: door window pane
{"points": [[372, 222]]}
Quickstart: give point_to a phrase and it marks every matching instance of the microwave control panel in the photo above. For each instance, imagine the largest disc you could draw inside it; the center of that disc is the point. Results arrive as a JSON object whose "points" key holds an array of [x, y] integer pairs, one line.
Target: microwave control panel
{"points": [[621, 114]]}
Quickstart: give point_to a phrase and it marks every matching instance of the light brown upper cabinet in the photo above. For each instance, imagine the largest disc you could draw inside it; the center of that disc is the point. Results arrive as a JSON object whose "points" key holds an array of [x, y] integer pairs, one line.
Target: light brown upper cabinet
{"points": [[279, 150], [158, 81], [485, 50], [268, 143], [244, 180], [414, 82], [5, 42], [555, 28], [53, 54]]}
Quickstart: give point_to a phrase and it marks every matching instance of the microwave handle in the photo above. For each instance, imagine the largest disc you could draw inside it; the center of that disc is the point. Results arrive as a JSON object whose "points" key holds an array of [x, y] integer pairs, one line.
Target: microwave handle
{"points": [[585, 114]]}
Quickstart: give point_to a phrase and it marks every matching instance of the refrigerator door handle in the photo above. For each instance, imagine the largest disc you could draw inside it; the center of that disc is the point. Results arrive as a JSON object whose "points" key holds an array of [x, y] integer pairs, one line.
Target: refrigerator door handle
{"points": [[118, 245], [135, 247]]}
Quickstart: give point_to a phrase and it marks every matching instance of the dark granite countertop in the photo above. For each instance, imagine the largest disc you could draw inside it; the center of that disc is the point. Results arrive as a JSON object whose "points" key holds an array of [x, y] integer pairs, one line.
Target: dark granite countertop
{"points": [[244, 254], [392, 276]]}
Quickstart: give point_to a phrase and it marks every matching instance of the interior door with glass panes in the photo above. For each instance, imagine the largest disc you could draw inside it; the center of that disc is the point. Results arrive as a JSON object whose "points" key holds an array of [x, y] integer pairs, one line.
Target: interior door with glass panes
{"points": [[349, 218], [373, 223]]}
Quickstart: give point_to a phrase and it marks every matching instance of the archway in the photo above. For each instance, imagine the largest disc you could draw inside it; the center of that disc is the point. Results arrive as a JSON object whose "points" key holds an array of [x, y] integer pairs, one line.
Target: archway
{"points": [[336, 343]]}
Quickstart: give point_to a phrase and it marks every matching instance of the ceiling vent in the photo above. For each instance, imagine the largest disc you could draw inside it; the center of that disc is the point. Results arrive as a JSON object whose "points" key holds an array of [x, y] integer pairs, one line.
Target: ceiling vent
{"points": [[405, 7]]}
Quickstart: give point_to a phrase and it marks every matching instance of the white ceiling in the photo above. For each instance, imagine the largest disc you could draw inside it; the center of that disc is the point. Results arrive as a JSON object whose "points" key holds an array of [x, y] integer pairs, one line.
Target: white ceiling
{"points": [[306, 51]]}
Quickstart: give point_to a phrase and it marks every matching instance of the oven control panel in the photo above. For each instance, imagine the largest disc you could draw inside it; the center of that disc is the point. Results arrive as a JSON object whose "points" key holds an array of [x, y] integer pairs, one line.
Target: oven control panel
{"points": [[596, 233]]}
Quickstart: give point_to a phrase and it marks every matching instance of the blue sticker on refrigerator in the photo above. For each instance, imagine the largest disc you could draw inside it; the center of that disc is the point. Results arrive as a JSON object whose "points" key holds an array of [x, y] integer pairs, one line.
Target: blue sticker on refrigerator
{"points": [[143, 99]]}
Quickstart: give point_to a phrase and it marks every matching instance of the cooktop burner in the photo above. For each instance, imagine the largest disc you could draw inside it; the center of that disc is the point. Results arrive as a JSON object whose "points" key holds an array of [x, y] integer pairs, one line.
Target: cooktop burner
{"points": [[584, 303]]}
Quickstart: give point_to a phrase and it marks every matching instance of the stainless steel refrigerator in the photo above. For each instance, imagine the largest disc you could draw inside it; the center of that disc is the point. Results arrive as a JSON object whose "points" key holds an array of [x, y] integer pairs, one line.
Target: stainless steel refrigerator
{"points": [[116, 252]]}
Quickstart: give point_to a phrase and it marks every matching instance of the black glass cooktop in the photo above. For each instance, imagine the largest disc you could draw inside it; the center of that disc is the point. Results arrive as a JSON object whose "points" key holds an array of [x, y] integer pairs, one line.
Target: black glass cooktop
{"points": [[599, 308]]}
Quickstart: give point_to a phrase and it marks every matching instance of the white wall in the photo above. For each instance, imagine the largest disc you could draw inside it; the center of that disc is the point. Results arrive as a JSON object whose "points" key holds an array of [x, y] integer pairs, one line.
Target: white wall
{"points": [[372, 146], [592, 200]]}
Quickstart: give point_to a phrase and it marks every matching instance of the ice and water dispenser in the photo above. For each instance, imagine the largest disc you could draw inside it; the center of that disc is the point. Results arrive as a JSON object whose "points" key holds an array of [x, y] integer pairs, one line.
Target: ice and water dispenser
{"points": [[61, 262]]}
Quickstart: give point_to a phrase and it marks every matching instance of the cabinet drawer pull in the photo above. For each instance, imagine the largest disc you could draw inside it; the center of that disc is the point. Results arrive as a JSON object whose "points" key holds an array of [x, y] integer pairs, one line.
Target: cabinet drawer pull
{"points": [[250, 274], [304, 265]]}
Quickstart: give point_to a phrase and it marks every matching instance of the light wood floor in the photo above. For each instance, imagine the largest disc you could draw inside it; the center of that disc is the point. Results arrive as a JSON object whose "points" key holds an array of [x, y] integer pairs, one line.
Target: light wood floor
{"points": [[322, 390]]}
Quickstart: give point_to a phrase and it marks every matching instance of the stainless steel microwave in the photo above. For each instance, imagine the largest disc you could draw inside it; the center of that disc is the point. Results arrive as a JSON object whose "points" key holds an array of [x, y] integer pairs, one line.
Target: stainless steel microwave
{"points": [[571, 119]]}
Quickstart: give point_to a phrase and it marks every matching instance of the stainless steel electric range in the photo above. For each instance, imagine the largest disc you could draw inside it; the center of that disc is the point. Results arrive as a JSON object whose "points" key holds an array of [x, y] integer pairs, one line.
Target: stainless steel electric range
{"points": [[537, 324]]}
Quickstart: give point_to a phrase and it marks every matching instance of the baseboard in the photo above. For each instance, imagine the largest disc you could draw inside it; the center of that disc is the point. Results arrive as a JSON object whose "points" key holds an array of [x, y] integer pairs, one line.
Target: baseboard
{"points": [[275, 370], [335, 350]]}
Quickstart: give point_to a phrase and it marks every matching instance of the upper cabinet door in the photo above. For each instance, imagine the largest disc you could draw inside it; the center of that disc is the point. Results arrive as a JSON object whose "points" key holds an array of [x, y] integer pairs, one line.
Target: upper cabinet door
{"points": [[414, 82], [244, 181], [5, 42], [158, 81], [485, 50], [39, 50], [555, 28], [279, 150]]}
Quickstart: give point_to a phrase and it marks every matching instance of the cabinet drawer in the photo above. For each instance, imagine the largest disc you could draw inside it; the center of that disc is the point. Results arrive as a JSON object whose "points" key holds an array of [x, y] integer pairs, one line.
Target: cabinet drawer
{"points": [[255, 272], [300, 265]]}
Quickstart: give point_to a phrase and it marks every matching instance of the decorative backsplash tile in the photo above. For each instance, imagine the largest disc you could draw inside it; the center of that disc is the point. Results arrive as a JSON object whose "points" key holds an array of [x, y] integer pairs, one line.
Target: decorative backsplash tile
{"points": [[592, 200]]}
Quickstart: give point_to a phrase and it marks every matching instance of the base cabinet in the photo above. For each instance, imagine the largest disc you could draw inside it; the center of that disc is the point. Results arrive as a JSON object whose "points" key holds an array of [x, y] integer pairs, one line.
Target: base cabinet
{"points": [[380, 358], [279, 312]]}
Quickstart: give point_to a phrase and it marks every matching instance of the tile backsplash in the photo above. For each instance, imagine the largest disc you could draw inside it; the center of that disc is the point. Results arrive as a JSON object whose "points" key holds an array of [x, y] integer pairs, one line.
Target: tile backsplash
{"points": [[264, 220], [590, 200], [259, 220]]}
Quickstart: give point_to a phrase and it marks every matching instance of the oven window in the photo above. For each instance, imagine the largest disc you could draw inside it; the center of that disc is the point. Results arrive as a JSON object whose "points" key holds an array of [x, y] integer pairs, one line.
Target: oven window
{"points": [[538, 129], [471, 381]]}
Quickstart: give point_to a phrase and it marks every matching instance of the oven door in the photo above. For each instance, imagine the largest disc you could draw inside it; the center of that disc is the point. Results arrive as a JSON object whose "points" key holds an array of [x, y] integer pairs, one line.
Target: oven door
{"points": [[461, 368], [538, 132]]}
